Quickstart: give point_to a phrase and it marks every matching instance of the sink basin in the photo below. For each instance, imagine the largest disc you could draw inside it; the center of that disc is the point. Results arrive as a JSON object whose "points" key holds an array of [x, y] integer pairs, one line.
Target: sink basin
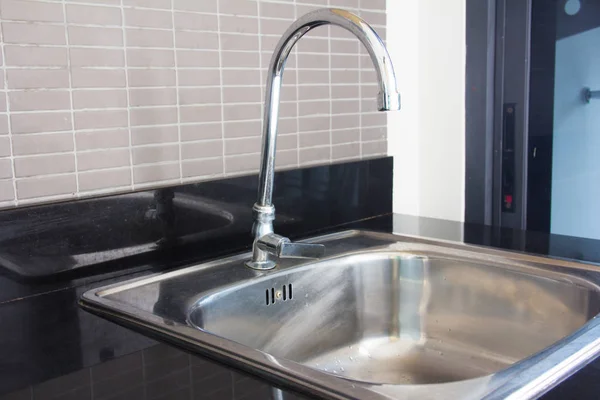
{"points": [[381, 316]]}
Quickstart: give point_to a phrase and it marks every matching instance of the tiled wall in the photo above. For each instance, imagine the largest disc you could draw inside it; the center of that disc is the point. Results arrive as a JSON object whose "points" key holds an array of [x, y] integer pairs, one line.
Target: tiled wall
{"points": [[114, 95]]}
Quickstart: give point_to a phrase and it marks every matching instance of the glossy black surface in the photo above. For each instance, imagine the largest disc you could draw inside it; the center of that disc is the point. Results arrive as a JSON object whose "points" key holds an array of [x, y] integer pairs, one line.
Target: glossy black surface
{"points": [[51, 348]]}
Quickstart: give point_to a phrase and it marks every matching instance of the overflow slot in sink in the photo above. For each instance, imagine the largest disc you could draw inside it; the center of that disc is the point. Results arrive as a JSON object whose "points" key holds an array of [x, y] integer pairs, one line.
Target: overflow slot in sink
{"points": [[271, 295]]}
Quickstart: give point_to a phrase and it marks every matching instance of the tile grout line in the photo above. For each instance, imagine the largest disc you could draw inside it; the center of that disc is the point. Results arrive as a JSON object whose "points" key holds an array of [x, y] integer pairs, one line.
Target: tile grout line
{"points": [[175, 59], [129, 133], [260, 75], [297, 88], [330, 92], [223, 163], [70, 78], [15, 200], [360, 110]]}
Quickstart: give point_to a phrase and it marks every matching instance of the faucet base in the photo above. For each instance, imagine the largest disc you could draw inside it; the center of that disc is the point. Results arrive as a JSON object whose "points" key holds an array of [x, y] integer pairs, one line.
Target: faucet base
{"points": [[261, 265]]}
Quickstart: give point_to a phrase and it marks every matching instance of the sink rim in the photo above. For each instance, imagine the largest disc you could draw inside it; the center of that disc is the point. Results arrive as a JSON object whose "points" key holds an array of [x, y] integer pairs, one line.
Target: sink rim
{"points": [[527, 378]]}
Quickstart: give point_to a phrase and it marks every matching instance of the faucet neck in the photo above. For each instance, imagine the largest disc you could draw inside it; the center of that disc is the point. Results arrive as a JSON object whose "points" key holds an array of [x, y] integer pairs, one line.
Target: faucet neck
{"points": [[388, 96]]}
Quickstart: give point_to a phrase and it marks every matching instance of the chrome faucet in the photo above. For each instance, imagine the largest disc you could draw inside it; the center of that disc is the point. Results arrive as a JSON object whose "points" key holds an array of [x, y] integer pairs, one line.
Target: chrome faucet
{"points": [[268, 245]]}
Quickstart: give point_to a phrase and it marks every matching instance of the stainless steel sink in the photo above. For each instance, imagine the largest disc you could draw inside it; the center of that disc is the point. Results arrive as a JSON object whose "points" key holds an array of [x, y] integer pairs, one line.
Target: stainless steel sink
{"points": [[380, 316]]}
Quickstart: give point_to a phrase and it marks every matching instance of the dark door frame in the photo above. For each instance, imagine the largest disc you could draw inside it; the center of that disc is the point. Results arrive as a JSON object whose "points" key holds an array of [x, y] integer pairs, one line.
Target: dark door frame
{"points": [[496, 107]]}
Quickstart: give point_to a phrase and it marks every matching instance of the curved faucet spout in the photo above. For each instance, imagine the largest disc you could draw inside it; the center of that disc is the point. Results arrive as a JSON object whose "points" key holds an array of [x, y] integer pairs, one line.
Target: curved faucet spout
{"points": [[388, 99]]}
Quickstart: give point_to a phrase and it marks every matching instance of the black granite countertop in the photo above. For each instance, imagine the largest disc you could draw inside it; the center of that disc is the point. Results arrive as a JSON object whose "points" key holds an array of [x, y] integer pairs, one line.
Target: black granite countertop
{"points": [[51, 348]]}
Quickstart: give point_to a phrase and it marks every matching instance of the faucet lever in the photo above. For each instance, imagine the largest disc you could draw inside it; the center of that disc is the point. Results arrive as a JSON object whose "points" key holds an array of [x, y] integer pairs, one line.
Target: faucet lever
{"points": [[278, 246], [301, 250]]}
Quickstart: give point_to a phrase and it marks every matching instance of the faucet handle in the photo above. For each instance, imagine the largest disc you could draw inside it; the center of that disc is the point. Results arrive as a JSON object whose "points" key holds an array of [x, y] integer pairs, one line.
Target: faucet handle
{"points": [[282, 247], [301, 250]]}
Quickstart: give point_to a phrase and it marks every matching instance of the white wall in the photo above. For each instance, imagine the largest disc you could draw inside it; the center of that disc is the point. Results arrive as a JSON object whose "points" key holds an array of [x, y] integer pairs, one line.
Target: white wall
{"points": [[426, 40], [576, 147]]}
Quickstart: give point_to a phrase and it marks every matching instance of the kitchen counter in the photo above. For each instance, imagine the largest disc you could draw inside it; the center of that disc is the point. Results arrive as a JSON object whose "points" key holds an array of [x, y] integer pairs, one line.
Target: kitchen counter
{"points": [[51, 348]]}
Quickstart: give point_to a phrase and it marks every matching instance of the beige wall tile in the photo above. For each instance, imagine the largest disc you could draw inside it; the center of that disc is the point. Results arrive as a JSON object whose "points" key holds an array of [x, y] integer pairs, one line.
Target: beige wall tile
{"points": [[33, 56], [232, 41], [21, 10], [101, 159], [164, 4], [374, 119], [242, 146], [46, 186], [155, 154], [374, 148], [244, 129], [242, 94], [27, 33], [96, 57], [239, 112], [311, 124], [241, 163], [202, 149], [346, 135], [42, 144], [344, 151], [211, 95], [277, 10], [286, 159], [95, 36], [208, 6], [37, 79], [196, 22], [201, 132], [6, 168], [379, 134], [102, 139], [148, 18], [287, 142], [241, 77], [96, 15], [4, 146], [312, 139], [196, 40], [149, 38], [107, 179], [151, 77], [3, 124], [150, 58], [39, 100], [345, 121], [314, 155], [238, 59], [105, 98], [152, 97], [155, 173], [239, 24], [7, 192], [37, 122], [97, 78], [200, 114], [100, 119], [199, 78], [236, 7], [154, 135], [44, 165], [274, 26], [197, 58], [153, 116], [210, 167]]}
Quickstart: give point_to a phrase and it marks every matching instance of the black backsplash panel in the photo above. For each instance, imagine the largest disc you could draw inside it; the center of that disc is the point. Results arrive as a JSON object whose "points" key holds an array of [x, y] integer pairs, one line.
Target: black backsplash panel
{"points": [[46, 247]]}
